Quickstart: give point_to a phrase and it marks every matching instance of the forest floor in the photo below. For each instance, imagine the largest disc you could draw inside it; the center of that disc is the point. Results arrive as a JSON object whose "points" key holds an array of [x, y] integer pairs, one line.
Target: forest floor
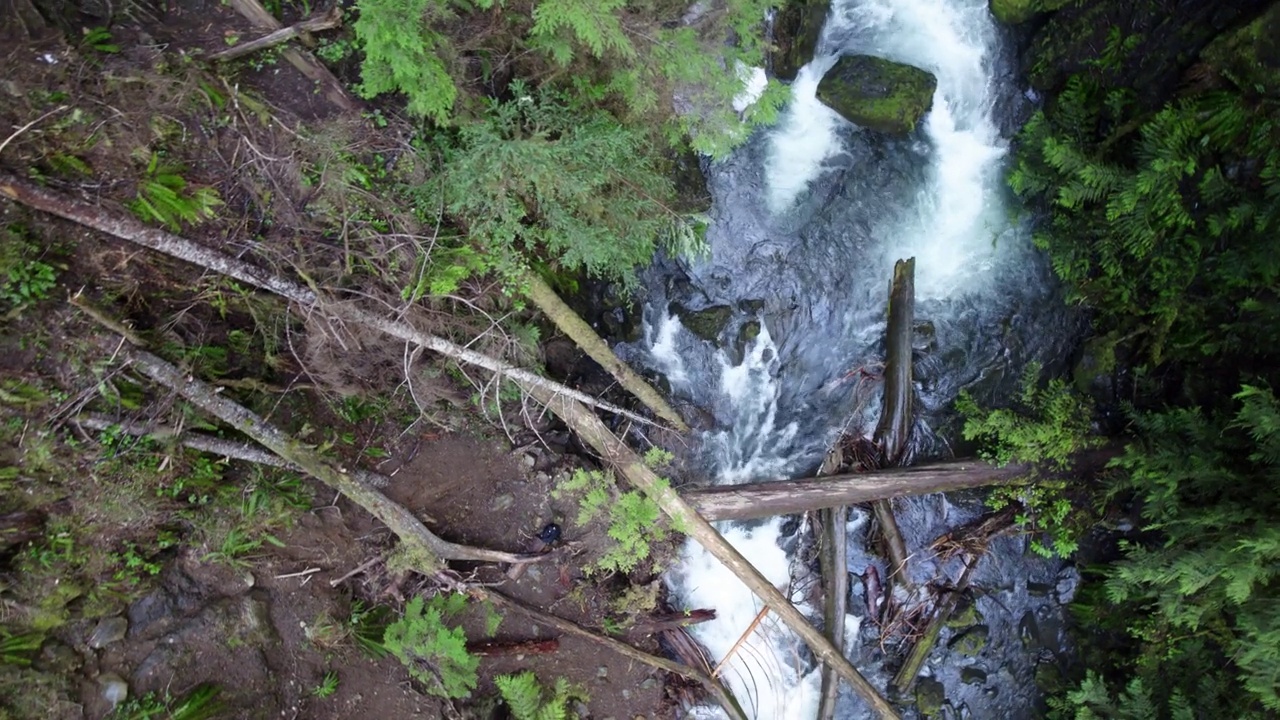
{"points": [[134, 561]]}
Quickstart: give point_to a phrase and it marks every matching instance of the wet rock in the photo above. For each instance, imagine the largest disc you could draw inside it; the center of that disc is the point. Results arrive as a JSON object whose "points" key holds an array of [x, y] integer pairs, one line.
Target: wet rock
{"points": [[1096, 364], [692, 195], [796, 30], [707, 324], [930, 695], [1012, 12], [112, 689], [973, 676], [878, 94], [108, 631], [972, 641], [749, 331], [1029, 632], [1049, 679]]}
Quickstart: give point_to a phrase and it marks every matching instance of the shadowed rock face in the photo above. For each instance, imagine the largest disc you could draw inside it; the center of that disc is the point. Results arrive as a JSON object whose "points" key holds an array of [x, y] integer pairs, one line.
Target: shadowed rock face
{"points": [[878, 94], [796, 31], [1013, 12]]}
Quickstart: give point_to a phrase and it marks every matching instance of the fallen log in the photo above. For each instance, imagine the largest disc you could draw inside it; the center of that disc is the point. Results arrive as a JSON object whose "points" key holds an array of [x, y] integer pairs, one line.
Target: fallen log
{"points": [[327, 20], [905, 680], [542, 295], [305, 62], [131, 229], [502, 648], [835, 583], [894, 429], [786, 497]]}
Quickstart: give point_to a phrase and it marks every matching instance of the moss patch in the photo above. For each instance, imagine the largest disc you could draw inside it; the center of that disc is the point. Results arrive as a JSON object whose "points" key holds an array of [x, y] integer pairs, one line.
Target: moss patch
{"points": [[796, 32], [878, 94], [1012, 12]]}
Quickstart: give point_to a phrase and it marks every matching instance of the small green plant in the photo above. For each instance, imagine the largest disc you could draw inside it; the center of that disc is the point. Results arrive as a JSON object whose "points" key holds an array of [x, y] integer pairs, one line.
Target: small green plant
{"points": [[99, 39], [435, 653], [1051, 425], [327, 687], [368, 628], [528, 700], [199, 704], [164, 196], [25, 277], [634, 520], [18, 648]]}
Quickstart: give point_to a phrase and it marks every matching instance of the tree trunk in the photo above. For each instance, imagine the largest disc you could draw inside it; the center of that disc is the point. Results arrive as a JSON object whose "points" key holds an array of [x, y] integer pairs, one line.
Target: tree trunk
{"points": [[785, 497], [835, 583], [128, 228], [327, 20], [593, 345], [894, 429]]}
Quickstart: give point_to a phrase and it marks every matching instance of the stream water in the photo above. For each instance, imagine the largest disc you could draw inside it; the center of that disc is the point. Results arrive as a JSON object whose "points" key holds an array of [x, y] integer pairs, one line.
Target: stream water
{"points": [[807, 220]]}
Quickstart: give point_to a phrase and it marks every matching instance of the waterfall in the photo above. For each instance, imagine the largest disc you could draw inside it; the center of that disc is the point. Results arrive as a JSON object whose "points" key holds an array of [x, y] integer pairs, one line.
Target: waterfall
{"points": [[808, 218]]}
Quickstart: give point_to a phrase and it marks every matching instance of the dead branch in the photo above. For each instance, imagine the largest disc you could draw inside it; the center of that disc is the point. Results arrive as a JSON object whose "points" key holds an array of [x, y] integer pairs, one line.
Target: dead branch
{"points": [[671, 621], [714, 686], [835, 580], [127, 228], [500, 648], [616, 453], [430, 548], [213, 445], [542, 295], [325, 21], [905, 680]]}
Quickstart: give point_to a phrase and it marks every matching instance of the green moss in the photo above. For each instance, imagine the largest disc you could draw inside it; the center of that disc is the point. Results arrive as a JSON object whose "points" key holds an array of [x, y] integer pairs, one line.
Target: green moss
{"points": [[707, 324], [878, 94], [1012, 12], [930, 695], [972, 641], [1250, 56], [797, 29]]}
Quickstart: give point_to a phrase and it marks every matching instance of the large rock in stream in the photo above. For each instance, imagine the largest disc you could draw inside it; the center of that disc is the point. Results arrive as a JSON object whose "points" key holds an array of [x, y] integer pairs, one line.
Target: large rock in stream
{"points": [[878, 94]]}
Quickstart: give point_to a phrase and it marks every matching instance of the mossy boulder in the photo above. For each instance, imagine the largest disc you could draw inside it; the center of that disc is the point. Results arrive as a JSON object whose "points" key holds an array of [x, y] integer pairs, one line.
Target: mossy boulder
{"points": [[796, 30], [930, 695], [878, 94], [708, 323], [1012, 12], [1250, 56]]}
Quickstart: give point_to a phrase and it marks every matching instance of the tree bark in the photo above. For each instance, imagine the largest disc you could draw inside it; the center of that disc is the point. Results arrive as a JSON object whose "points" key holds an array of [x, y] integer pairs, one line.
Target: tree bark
{"points": [[594, 346], [688, 521], [785, 497], [835, 581], [128, 228], [426, 546]]}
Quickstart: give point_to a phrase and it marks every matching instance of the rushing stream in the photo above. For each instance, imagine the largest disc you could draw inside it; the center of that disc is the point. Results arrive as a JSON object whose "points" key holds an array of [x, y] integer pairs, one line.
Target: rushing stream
{"points": [[808, 219]]}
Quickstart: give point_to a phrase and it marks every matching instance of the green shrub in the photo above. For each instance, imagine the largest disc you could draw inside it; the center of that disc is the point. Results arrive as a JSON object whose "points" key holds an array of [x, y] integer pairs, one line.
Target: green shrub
{"points": [[527, 699], [434, 653], [634, 521]]}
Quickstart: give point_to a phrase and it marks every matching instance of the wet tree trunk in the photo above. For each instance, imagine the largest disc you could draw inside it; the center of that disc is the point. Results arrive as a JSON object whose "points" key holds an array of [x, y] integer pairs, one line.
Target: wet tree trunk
{"points": [[786, 497], [594, 346], [894, 428]]}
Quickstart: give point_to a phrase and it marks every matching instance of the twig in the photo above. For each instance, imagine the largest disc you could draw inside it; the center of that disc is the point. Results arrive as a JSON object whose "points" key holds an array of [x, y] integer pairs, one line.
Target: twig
{"points": [[724, 662], [302, 573], [356, 571], [29, 125]]}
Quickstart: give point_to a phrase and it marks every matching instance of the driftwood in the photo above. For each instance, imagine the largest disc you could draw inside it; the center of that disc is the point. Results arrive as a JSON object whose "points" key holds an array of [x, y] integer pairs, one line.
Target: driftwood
{"points": [[542, 295], [325, 21], [425, 545], [785, 497], [616, 453], [305, 62], [128, 228]]}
